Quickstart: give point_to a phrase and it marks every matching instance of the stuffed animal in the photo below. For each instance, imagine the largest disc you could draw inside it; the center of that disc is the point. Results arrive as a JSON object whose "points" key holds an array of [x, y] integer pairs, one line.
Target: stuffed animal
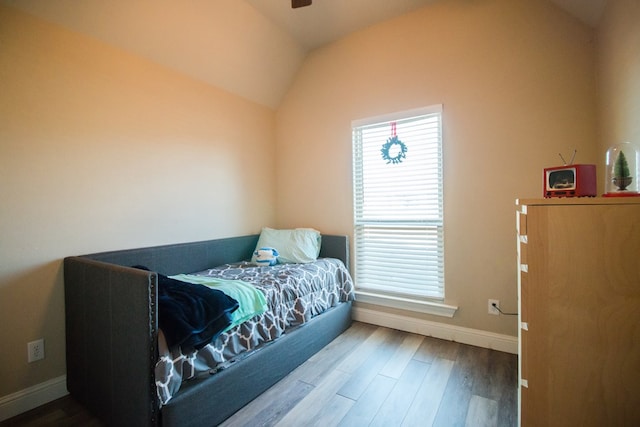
{"points": [[265, 256]]}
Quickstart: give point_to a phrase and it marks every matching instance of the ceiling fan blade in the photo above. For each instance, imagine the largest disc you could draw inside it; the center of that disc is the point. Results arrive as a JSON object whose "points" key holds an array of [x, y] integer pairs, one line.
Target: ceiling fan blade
{"points": [[300, 3]]}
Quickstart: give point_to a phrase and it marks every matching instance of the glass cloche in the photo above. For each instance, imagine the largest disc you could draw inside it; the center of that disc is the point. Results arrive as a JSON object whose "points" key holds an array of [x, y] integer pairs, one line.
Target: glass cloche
{"points": [[622, 170]]}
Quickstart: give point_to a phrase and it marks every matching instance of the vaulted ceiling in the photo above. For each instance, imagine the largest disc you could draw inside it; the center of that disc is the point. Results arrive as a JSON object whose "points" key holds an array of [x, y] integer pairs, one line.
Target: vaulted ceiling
{"points": [[252, 48]]}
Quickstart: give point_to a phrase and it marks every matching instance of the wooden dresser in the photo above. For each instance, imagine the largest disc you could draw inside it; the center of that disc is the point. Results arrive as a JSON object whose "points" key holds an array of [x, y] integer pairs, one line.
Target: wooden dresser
{"points": [[579, 311]]}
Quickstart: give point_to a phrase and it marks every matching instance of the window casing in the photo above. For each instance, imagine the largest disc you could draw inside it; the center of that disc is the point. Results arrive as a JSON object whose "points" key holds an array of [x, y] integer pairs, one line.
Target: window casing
{"points": [[398, 206]]}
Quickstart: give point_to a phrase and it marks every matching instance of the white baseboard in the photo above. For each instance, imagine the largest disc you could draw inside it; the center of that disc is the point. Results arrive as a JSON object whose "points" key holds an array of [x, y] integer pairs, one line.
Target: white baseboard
{"points": [[32, 397], [476, 337]]}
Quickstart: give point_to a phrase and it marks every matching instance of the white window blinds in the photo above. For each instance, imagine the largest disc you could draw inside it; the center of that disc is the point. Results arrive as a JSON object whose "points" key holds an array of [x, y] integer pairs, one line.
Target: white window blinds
{"points": [[398, 224]]}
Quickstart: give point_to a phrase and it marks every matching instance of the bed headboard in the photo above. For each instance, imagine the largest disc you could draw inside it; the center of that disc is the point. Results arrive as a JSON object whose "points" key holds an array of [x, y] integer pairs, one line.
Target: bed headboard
{"points": [[183, 257], [198, 256]]}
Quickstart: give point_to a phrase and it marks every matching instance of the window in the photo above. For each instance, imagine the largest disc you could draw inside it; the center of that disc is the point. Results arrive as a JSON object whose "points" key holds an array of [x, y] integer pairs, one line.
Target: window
{"points": [[398, 214]]}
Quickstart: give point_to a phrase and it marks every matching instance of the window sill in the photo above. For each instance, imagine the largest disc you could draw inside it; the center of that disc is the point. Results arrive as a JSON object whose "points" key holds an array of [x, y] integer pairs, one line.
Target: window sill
{"points": [[428, 307]]}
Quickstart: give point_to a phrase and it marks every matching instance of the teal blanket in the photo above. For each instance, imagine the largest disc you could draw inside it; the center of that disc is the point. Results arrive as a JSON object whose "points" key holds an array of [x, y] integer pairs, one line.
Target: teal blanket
{"points": [[252, 302]]}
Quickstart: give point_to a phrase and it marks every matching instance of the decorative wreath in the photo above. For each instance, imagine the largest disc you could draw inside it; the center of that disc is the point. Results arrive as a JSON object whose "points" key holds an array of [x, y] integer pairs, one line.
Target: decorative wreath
{"points": [[401, 150]]}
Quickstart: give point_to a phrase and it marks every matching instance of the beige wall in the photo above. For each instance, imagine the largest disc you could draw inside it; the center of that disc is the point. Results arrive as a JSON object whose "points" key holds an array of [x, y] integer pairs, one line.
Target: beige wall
{"points": [[619, 75], [102, 150], [517, 82]]}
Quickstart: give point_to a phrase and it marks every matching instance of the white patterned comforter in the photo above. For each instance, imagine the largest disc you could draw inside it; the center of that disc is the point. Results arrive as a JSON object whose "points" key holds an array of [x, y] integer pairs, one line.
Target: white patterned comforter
{"points": [[295, 293]]}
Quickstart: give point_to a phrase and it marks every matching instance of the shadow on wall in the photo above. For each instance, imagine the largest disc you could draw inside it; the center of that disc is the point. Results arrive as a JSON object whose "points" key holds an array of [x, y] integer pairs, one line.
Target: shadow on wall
{"points": [[32, 307]]}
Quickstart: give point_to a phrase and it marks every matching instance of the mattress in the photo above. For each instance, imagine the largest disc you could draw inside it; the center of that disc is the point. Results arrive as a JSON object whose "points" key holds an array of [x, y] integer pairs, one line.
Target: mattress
{"points": [[294, 294]]}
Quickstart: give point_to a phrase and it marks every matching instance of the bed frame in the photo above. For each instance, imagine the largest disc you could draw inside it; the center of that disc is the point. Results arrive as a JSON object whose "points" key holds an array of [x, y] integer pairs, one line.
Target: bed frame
{"points": [[112, 335]]}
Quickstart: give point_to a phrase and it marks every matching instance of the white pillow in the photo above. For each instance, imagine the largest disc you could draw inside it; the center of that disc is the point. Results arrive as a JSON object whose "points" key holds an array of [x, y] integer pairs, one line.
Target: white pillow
{"points": [[300, 245]]}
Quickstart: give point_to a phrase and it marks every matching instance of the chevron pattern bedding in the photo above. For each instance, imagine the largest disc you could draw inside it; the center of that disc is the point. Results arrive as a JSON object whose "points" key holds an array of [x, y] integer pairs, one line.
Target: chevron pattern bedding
{"points": [[295, 293]]}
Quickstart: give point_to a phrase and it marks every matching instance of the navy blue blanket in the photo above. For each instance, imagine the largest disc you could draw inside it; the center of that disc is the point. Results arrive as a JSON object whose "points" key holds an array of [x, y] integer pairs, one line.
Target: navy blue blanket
{"points": [[191, 315]]}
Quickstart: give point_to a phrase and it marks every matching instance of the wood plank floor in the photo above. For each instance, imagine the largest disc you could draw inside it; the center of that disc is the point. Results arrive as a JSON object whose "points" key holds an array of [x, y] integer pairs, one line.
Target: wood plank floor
{"points": [[369, 376]]}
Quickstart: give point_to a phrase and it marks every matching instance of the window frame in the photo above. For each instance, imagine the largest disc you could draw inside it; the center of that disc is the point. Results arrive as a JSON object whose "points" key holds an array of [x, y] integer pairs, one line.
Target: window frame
{"points": [[433, 304]]}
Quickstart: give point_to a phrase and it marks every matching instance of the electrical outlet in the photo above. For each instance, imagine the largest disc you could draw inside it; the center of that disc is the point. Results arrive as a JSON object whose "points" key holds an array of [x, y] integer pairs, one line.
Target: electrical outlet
{"points": [[35, 350], [491, 308]]}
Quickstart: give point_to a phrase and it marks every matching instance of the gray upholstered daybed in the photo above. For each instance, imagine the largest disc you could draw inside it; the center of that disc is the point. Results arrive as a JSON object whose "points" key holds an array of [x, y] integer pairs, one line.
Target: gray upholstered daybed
{"points": [[112, 335]]}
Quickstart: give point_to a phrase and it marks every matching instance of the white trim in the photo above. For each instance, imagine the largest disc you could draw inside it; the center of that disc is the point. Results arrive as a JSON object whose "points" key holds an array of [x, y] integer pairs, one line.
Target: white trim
{"points": [[428, 307], [400, 115], [32, 397], [476, 337]]}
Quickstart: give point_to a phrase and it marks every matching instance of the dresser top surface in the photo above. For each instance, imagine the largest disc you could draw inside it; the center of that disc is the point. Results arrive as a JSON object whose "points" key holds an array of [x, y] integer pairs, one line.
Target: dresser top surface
{"points": [[579, 201]]}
